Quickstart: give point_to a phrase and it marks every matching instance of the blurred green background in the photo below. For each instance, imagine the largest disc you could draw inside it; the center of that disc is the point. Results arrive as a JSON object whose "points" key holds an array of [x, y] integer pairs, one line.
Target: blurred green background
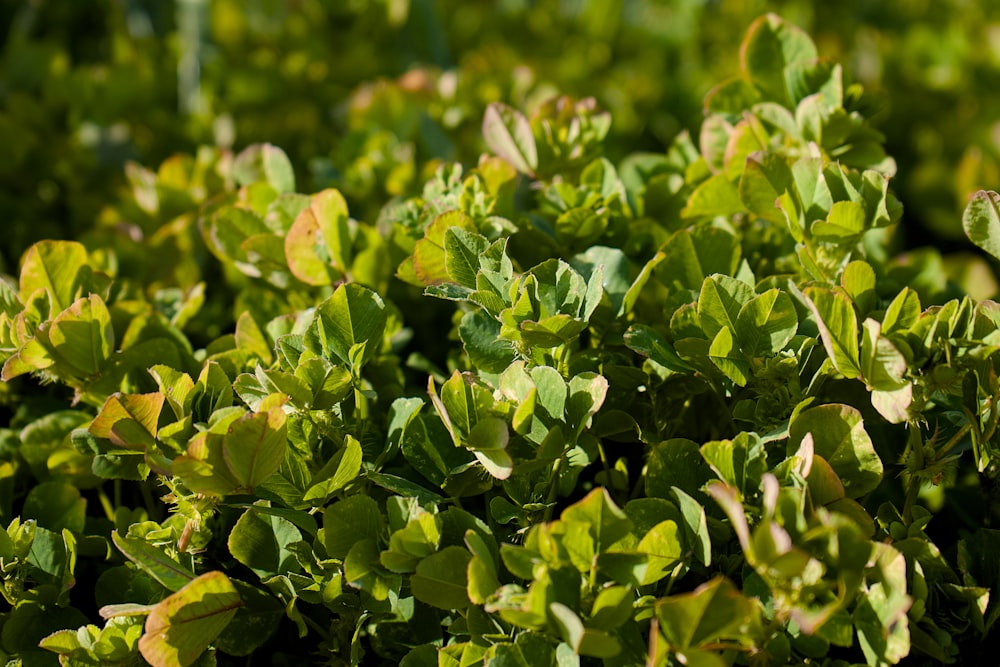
{"points": [[364, 95]]}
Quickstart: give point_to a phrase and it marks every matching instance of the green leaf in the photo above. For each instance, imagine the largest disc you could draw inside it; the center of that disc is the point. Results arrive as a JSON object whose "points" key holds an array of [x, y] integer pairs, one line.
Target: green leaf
{"points": [[364, 572], [299, 518], [579, 227], [769, 47], [748, 137], [714, 611], [419, 538], [32, 356], [612, 608], [587, 392], [880, 618], [719, 303], [230, 229], [352, 316], [529, 649], [981, 221], [766, 324], [348, 521], [731, 96], [648, 342], [441, 579], [715, 197], [54, 266], [724, 354], [430, 259], [845, 222], [428, 447], [692, 254], [345, 467], [254, 389], [739, 462], [552, 391], [457, 407], [203, 468], [838, 327], [82, 335], [404, 487], [254, 447], [318, 246], [252, 339], [583, 641], [765, 178], [883, 366], [712, 139], [488, 441], [607, 522], [264, 162], [508, 134], [676, 462], [616, 271], [482, 580], [260, 542], [695, 524], [462, 249], [328, 383], [480, 334], [664, 548], [839, 436], [182, 626], [254, 623], [142, 408], [858, 281], [154, 561], [56, 505], [902, 313]]}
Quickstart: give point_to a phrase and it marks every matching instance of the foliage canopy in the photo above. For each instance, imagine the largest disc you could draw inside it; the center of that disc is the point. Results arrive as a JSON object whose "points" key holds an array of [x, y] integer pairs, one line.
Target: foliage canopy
{"points": [[686, 408]]}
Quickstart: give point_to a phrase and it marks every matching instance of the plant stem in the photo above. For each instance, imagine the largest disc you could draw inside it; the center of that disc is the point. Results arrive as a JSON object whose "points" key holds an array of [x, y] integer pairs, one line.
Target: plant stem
{"points": [[550, 500]]}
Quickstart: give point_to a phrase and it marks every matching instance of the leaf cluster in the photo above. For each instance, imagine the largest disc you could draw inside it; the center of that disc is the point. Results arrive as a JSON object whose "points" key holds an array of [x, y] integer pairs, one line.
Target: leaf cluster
{"points": [[683, 409]]}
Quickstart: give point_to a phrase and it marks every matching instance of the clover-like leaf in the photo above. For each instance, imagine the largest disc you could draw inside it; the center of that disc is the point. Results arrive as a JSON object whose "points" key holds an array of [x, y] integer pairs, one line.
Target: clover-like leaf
{"points": [[181, 626], [981, 221], [352, 316], [715, 610], [508, 134], [839, 436], [264, 162], [54, 266], [441, 579]]}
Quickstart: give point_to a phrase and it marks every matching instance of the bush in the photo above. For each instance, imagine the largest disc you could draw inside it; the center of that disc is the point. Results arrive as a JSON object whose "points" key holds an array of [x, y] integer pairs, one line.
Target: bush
{"points": [[674, 408]]}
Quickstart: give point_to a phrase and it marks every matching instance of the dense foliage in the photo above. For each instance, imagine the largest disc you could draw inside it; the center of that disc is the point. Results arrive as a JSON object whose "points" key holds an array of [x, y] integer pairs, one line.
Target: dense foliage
{"points": [[559, 407], [361, 94]]}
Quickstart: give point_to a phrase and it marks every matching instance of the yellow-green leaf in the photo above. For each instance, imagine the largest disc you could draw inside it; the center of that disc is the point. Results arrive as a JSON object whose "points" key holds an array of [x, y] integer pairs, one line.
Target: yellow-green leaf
{"points": [[53, 266], [183, 625]]}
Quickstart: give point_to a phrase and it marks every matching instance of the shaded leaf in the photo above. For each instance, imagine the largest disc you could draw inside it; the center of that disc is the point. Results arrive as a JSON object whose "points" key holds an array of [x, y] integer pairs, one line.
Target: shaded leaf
{"points": [[154, 561], [441, 579], [264, 162]]}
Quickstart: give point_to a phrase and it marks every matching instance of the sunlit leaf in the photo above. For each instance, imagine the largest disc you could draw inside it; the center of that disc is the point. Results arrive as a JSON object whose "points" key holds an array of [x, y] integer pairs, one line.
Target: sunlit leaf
{"points": [[182, 626], [508, 134]]}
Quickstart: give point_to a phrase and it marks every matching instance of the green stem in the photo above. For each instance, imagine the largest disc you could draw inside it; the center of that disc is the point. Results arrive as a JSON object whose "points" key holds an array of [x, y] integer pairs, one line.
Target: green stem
{"points": [[315, 626], [550, 500], [913, 490], [912, 493], [109, 509]]}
